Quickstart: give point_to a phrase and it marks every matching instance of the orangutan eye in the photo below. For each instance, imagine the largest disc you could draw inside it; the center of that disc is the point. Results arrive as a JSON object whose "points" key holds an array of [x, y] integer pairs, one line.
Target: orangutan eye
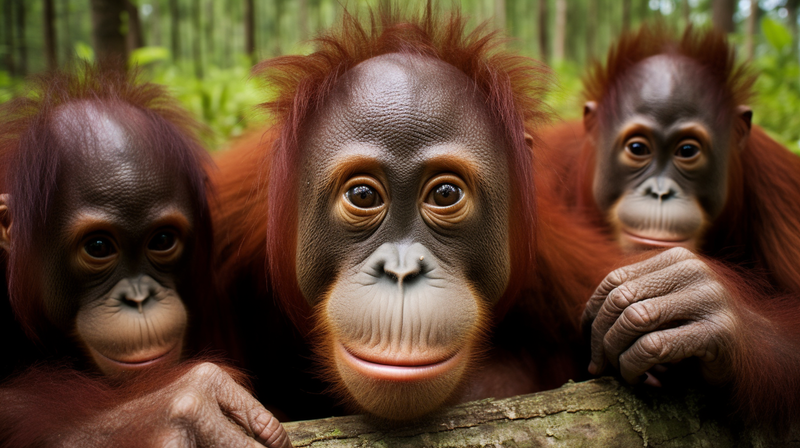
{"points": [[363, 196], [638, 149], [445, 195], [162, 241], [99, 247], [687, 151]]}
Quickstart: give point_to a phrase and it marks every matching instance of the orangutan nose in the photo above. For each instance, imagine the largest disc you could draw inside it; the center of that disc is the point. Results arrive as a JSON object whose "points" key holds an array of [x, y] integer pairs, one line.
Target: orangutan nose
{"points": [[401, 263], [136, 291], [661, 188]]}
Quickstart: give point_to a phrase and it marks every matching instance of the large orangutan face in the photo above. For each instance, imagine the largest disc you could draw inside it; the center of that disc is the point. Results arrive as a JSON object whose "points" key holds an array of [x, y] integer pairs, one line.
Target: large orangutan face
{"points": [[663, 155], [403, 230], [115, 246]]}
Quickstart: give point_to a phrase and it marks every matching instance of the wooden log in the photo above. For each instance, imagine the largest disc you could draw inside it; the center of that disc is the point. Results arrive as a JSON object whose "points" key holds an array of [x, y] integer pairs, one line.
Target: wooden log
{"points": [[596, 413]]}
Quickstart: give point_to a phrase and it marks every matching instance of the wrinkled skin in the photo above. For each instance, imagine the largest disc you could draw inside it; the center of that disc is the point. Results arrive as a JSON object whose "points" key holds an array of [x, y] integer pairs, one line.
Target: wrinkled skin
{"points": [[660, 311], [662, 155], [116, 246], [661, 178], [403, 201]]}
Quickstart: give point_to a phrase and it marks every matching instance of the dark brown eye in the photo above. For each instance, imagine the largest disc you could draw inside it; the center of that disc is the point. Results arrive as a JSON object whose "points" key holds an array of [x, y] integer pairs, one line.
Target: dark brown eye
{"points": [[99, 247], [445, 195], [687, 151], [638, 149], [363, 196], [162, 241]]}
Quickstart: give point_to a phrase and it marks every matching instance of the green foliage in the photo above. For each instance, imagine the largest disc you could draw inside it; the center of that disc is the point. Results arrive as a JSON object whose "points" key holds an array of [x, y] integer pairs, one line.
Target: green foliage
{"points": [[777, 103], [225, 99]]}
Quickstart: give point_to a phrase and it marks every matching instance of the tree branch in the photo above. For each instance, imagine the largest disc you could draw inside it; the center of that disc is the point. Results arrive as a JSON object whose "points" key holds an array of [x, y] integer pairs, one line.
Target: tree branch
{"points": [[602, 412]]}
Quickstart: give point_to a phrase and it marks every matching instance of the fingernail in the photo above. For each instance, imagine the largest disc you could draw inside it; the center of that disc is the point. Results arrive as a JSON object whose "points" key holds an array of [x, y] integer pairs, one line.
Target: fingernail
{"points": [[592, 368]]}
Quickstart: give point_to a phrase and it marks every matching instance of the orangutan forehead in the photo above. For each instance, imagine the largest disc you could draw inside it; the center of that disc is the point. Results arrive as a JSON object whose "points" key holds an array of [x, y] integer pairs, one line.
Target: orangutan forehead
{"points": [[408, 95], [94, 129]]}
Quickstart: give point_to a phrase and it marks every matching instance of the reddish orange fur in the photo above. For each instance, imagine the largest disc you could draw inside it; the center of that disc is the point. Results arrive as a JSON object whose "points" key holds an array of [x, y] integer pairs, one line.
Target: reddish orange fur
{"points": [[759, 229], [557, 260]]}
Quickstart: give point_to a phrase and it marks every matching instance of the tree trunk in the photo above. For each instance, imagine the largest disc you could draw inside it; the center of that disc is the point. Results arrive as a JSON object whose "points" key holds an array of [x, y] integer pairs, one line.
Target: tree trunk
{"points": [[8, 36], [792, 7], [751, 29], [249, 29], [175, 29], [302, 19], [48, 21], [591, 29], [500, 13], [209, 50], [686, 11], [109, 43], [196, 33], [21, 41], [722, 15], [155, 23], [559, 46], [626, 15], [544, 41], [594, 413], [66, 28], [135, 38]]}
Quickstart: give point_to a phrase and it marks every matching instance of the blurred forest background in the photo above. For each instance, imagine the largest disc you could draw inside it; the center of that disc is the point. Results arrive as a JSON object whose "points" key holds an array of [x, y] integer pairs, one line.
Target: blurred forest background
{"points": [[203, 49]]}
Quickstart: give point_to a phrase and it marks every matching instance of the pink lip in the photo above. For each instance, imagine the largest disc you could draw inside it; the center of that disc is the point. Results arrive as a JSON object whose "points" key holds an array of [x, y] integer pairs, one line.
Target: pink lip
{"points": [[401, 370], [655, 242], [136, 363]]}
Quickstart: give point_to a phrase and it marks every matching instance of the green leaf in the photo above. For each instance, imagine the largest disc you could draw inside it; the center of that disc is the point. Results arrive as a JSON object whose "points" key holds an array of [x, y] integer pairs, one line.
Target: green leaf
{"points": [[148, 55], [777, 35], [84, 52]]}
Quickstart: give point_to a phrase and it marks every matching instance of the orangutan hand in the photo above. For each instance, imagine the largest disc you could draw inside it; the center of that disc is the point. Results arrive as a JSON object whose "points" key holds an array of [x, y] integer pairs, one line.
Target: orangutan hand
{"points": [[660, 311]]}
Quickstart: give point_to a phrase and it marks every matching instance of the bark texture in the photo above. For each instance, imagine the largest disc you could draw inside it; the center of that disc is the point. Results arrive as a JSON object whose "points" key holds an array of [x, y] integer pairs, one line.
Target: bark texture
{"points": [[595, 413]]}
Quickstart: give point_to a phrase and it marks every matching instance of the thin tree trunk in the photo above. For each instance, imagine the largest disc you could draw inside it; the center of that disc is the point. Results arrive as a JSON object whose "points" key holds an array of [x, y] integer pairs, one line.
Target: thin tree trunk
{"points": [[544, 41], [792, 7], [174, 29], [249, 29], [135, 38], [8, 35], [561, 30], [109, 43], [155, 23], [751, 29], [591, 29], [302, 18], [197, 31], [500, 13], [686, 11], [66, 41], [21, 41], [209, 50], [48, 21], [626, 15], [722, 15]]}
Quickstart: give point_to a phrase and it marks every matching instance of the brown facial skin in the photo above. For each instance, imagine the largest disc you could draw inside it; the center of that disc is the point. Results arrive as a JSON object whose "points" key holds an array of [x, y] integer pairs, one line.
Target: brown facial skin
{"points": [[114, 247], [661, 176], [662, 155], [402, 240]]}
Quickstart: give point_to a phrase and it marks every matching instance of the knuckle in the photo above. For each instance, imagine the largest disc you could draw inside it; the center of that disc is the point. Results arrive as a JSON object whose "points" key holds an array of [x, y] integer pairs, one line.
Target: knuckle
{"points": [[621, 296], [654, 346], [206, 372], [680, 253], [187, 406], [266, 427], [638, 316]]}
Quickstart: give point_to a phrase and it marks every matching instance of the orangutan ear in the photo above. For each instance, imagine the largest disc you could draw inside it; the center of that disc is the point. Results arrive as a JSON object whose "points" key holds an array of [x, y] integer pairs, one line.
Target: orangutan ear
{"points": [[529, 141], [589, 115], [744, 121], [5, 223]]}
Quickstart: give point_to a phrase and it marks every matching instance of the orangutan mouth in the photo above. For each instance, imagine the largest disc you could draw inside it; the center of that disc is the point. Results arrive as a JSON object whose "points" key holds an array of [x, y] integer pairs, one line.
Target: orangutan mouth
{"points": [[399, 370]]}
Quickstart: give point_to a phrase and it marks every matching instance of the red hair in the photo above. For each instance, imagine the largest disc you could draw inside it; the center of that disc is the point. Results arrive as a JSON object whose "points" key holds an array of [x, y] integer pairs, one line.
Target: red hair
{"points": [[709, 49], [511, 85], [30, 165]]}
